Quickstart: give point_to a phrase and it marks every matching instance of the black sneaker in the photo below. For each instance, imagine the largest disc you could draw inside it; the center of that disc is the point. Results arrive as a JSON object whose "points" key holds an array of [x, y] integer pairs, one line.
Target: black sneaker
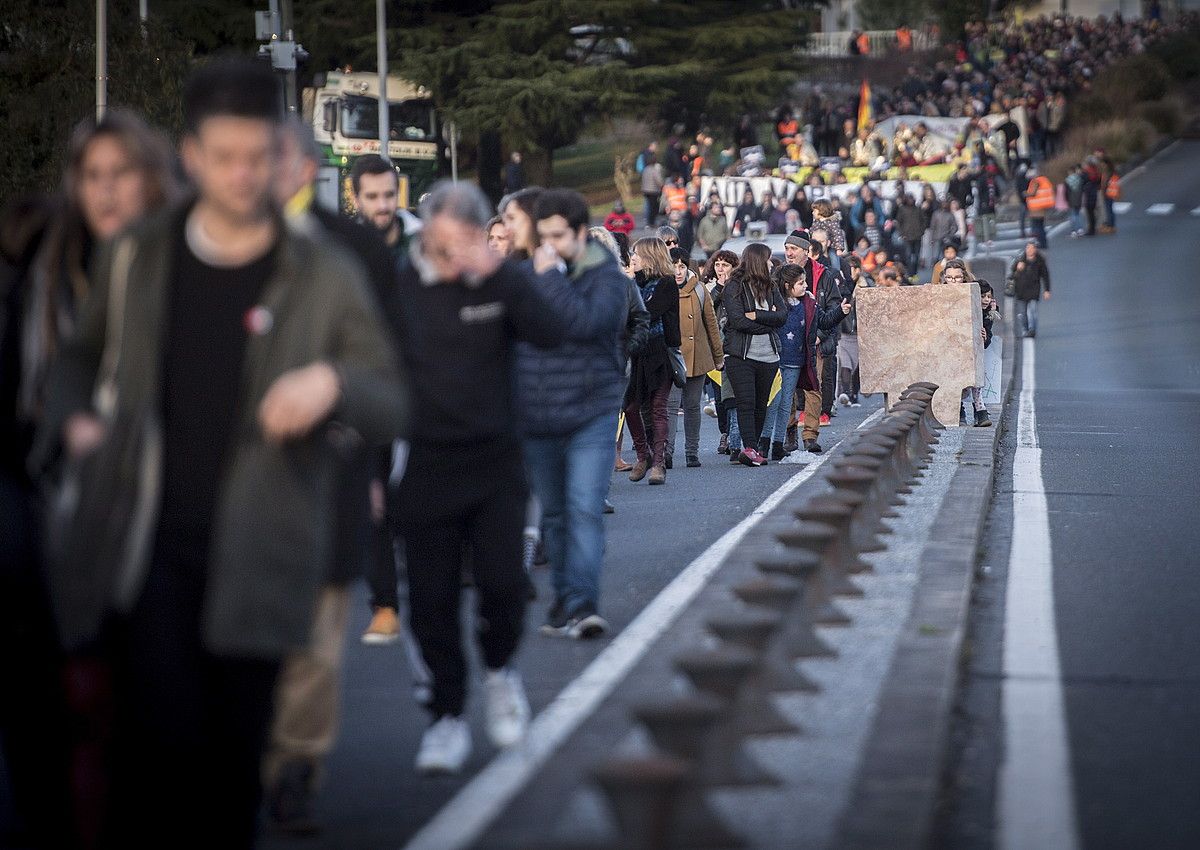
{"points": [[982, 420], [586, 624], [693, 461], [667, 462], [290, 800], [777, 452], [556, 620], [813, 446]]}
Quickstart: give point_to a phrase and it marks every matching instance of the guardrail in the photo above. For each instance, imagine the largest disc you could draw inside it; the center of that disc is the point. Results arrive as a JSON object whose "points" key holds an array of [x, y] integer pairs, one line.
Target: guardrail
{"points": [[836, 45], [806, 554]]}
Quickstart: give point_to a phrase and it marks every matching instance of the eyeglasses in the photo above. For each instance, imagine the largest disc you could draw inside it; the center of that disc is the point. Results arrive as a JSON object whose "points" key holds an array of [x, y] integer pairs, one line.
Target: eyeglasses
{"points": [[953, 278], [672, 242]]}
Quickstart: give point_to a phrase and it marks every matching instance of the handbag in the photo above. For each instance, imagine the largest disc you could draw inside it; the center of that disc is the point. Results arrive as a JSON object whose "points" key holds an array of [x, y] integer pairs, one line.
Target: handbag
{"points": [[99, 498], [679, 372]]}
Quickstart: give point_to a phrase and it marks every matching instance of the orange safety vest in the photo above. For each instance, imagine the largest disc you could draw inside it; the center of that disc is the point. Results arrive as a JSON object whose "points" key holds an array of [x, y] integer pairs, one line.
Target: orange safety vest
{"points": [[676, 198], [864, 44], [904, 39], [1039, 197], [1113, 190], [787, 129]]}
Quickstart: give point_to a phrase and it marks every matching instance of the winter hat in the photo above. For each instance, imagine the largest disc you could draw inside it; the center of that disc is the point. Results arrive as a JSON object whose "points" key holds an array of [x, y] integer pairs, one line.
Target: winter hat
{"points": [[798, 238]]}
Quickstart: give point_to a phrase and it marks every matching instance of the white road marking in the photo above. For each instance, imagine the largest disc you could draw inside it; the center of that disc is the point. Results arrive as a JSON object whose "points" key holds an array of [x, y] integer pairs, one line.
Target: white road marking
{"points": [[1160, 209], [462, 821], [1035, 796], [1196, 211], [1122, 207]]}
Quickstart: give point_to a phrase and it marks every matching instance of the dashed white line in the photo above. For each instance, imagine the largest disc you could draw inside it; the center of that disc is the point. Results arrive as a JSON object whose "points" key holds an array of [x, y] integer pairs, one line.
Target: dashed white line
{"points": [[1160, 209], [1122, 207], [462, 821], [1196, 211], [1035, 796]]}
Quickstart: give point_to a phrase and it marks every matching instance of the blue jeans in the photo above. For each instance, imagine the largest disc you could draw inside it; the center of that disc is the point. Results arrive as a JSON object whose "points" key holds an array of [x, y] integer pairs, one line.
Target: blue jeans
{"points": [[1028, 310], [1076, 220], [570, 476], [780, 408]]}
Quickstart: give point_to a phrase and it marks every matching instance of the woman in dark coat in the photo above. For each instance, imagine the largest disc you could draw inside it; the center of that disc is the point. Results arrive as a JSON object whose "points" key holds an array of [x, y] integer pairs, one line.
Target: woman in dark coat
{"points": [[650, 369], [755, 310]]}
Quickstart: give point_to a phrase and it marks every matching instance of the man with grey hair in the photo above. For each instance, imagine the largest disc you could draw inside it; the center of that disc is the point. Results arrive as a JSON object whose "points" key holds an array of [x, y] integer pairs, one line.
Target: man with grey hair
{"points": [[464, 310]]}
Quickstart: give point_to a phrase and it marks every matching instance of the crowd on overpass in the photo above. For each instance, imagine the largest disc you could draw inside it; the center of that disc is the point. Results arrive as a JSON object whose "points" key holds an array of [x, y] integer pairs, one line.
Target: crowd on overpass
{"points": [[222, 405]]}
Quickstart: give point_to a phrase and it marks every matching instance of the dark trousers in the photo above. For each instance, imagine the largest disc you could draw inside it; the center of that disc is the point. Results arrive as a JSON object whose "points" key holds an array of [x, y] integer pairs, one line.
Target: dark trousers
{"points": [[381, 567], [1039, 231], [827, 374], [651, 209], [1089, 206], [453, 498], [34, 719], [912, 262], [190, 727], [751, 381], [646, 420]]}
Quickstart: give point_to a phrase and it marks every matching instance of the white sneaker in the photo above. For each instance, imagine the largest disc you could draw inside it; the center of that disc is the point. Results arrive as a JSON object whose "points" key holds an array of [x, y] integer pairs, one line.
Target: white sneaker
{"points": [[445, 746], [507, 707], [711, 410], [844, 400]]}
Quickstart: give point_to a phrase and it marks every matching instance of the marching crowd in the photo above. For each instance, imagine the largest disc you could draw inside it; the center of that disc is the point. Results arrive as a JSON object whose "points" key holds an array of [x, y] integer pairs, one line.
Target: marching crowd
{"points": [[221, 405]]}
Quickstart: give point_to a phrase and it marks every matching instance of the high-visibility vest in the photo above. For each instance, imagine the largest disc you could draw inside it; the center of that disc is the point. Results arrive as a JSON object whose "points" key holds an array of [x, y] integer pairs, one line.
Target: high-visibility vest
{"points": [[676, 198], [864, 44], [1039, 197], [1113, 190]]}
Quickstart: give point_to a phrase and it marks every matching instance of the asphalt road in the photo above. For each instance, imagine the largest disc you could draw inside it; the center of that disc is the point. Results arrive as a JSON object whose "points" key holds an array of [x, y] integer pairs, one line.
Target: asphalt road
{"points": [[372, 798], [1117, 415]]}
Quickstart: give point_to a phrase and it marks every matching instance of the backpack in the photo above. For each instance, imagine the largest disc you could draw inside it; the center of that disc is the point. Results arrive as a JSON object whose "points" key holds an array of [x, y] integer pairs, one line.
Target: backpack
{"points": [[641, 163]]}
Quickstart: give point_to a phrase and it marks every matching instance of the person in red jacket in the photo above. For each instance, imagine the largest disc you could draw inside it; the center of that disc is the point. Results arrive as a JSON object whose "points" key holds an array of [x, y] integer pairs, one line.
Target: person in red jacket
{"points": [[618, 221]]}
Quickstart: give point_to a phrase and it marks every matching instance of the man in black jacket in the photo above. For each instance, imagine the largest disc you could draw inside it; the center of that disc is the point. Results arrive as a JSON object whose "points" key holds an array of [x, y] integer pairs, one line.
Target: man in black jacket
{"points": [[464, 483], [1031, 280]]}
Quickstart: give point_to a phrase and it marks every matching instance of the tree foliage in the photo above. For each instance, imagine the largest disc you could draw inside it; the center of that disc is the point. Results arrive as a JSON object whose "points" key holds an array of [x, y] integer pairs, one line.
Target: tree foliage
{"points": [[47, 81]]}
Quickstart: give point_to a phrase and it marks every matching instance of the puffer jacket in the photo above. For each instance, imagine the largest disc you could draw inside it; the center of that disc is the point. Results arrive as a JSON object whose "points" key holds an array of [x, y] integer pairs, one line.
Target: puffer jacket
{"points": [[737, 300], [560, 389]]}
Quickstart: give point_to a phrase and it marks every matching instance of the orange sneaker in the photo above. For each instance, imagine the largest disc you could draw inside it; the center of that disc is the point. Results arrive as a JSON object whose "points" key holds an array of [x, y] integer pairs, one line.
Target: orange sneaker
{"points": [[384, 628]]}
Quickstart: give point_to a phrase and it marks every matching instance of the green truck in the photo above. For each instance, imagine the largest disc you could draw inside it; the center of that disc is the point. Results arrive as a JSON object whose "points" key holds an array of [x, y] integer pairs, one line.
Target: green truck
{"points": [[343, 110]]}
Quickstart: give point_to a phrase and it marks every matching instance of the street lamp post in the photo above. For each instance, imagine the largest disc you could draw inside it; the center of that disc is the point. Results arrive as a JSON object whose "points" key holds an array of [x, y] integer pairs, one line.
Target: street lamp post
{"points": [[101, 58], [381, 59]]}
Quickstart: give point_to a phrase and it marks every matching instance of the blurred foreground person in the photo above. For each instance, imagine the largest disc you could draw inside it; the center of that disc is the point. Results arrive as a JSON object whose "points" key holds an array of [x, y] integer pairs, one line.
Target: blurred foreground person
{"points": [[117, 170], [464, 482], [305, 725], [231, 358]]}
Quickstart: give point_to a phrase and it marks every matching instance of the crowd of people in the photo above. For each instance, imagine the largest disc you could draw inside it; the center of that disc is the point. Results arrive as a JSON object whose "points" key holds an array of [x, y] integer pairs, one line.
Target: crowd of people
{"points": [[1011, 82], [222, 405]]}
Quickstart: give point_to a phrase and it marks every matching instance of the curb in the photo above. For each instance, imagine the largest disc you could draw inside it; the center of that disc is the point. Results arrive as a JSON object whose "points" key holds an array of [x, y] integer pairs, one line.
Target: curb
{"points": [[895, 794]]}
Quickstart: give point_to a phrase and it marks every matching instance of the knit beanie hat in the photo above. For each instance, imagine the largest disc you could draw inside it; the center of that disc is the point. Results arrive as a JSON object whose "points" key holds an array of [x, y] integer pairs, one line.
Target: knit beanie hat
{"points": [[798, 238]]}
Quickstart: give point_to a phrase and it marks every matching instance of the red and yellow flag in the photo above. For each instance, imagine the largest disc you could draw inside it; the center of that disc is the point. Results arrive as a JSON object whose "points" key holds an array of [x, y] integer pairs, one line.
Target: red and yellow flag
{"points": [[865, 113]]}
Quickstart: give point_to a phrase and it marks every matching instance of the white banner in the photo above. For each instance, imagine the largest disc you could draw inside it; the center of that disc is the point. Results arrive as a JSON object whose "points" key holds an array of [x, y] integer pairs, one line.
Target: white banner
{"points": [[993, 359]]}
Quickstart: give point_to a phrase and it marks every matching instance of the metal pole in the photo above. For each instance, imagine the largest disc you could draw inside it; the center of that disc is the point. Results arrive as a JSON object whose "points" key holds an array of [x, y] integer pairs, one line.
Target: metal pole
{"points": [[381, 59], [101, 58], [142, 11], [289, 76], [453, 152]]}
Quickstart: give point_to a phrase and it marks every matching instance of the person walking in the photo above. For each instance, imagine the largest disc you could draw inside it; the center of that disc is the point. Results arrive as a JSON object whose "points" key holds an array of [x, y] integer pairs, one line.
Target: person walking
{"points": [[567, 396], [231, 522], [1039, 197], [117, 170], [653, 183], [700, 344], [1030, 276], [910, 222], [650, 370], [847, 355], [1092, 179], [797, 353], [755, 311], [713, 230], [619, 221], [464, 480], [1073, 186]]}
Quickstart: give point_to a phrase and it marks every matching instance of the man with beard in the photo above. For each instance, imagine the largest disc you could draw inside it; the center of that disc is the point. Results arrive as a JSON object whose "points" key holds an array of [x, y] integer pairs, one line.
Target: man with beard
{"points": [[377, 194]]}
